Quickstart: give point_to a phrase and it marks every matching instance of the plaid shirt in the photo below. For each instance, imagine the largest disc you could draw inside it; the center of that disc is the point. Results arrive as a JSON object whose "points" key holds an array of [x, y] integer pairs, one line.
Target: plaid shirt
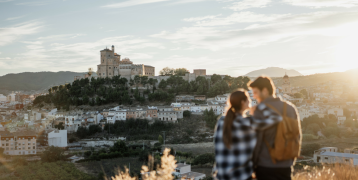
{"points": [[236, 163]]}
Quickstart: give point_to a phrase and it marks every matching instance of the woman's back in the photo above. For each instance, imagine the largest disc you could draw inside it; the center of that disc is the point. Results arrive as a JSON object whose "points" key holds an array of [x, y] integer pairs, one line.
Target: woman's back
{"points": [[234, 162]]}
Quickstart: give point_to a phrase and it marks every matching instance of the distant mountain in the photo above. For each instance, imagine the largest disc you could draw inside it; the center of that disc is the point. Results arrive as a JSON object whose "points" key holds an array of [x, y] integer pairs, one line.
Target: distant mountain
{"points": [[28, 81], [273, 72]]}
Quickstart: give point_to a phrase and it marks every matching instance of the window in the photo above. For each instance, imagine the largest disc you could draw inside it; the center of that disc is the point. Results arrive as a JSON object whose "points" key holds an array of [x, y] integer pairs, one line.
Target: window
{"points": [[33, 152], [7, 144], [29, 147]]}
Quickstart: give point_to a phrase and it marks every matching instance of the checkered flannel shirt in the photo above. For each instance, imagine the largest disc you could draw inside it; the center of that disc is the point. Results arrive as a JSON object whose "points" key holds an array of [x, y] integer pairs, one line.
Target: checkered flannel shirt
{"points": [[236, 163]]}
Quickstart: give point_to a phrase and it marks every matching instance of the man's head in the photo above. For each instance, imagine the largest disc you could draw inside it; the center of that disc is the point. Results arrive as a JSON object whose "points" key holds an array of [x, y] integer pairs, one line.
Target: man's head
{"points": [[262, 88]]}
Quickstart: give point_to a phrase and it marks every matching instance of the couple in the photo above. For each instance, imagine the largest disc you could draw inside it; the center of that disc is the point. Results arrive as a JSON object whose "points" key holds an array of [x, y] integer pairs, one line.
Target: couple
{"points": [[244, 145]]}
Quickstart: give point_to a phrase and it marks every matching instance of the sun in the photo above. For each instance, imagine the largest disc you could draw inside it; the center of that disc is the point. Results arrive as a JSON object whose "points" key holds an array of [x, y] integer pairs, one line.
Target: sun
{"points": [[346, 53]]}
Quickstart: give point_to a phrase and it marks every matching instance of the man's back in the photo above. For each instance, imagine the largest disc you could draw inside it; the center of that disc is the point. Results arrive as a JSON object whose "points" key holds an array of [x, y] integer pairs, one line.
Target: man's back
{"points": [[262, 156]]}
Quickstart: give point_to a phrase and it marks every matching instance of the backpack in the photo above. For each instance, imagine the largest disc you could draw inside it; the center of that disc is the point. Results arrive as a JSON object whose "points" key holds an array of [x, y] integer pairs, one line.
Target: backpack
{"points": [[287, 144]]}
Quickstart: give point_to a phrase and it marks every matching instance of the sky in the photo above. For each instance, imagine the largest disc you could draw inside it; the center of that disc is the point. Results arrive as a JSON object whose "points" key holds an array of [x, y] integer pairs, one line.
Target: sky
{"points": [[230, 37]]}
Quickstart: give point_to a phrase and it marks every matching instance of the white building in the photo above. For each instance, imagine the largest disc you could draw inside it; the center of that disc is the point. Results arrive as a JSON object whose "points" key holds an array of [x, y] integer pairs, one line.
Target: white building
{"points": [[303, 112], [183, 171], [330, 155], [195, 109], [11, 97], [120, 115], [341, 120], [2, 98], [336, 111], [57, 138], [111, 119], [221, 98]]}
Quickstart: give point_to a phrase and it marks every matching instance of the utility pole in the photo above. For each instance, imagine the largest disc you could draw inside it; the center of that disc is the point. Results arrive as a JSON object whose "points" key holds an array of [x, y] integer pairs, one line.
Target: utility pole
{"points": [[164, 137]]}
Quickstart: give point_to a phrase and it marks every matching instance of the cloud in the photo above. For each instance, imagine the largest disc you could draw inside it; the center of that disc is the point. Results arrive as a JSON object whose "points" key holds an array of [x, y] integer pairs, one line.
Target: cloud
{"points": [[34, 3], [280, 27], [323, 3], [242, 17], [10, 34], [60, 37], [13, 18], [1, 1], [131, 3], [195, 19], [247, 4], [77, 56]]}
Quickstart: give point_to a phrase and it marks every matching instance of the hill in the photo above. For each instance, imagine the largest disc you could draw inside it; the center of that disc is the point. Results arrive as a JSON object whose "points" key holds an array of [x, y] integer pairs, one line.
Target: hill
{"points": [[273, 72], [315, 79], [28, 81]]}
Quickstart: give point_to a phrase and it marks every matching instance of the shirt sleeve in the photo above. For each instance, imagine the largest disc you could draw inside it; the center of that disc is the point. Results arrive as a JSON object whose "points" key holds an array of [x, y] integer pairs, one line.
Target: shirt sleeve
{"points": [[264, 117]]}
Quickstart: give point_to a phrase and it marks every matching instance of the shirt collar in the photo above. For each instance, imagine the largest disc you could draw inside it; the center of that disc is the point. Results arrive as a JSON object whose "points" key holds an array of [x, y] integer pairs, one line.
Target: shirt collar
{"points": [[271, 99]]}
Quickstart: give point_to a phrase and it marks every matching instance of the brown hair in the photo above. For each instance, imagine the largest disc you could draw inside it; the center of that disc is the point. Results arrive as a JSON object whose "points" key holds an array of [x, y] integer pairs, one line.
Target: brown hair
{"points": [[234, 104], [264, 82]]}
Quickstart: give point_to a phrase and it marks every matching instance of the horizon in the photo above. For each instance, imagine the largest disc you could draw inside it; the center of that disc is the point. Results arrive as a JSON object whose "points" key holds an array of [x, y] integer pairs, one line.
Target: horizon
{"points": [[189, 70], [315, 37]]}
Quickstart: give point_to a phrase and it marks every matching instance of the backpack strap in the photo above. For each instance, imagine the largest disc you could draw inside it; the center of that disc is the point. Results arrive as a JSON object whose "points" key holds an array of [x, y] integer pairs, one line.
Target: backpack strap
{"points": [[273, 108]]}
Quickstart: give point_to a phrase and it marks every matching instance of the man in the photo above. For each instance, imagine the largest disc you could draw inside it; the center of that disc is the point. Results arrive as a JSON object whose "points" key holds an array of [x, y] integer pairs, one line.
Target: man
{"points": [[265, 169]]}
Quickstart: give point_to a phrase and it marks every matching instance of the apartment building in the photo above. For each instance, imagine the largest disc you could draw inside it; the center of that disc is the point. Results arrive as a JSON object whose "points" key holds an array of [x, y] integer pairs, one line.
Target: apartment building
{"points": [[18, 143]]}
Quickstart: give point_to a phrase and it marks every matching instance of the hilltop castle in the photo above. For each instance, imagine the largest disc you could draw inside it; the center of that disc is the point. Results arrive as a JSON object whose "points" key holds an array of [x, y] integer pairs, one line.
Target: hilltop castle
{"points": [[112, 65]]}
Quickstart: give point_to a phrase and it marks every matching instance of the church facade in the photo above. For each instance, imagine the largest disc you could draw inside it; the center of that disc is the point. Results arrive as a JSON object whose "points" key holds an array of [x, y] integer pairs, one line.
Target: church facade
{"points": [[286, 85]]}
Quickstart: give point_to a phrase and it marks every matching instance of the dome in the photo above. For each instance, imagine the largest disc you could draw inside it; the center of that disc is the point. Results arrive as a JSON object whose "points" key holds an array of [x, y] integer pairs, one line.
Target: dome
{"points": [[286, 76]]}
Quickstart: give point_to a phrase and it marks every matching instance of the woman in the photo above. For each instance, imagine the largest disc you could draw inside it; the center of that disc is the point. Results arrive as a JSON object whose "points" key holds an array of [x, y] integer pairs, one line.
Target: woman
{"points": [[235, 137]]}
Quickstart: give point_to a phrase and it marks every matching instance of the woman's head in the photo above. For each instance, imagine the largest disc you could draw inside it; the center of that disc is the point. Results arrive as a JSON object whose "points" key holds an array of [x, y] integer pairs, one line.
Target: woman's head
{"points": [[237, 103]]}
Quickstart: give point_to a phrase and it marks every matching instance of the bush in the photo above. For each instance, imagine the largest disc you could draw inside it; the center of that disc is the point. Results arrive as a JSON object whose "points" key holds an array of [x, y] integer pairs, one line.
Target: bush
{"points": [[52, 154], [308, 149], [309, 137], [204, 158], [187, 114]]}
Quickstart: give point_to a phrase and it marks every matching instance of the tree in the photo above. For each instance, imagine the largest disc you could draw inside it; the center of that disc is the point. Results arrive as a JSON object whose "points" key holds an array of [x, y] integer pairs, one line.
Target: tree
{"points": [[215, 78], [349, 122], [162, 84], [166, 71], [52, 154], [187, 114], [346, 112], [120, 146], [180, 71], [60, 126], [304, 92], [1, 151], [298, 95], [160, 139]]}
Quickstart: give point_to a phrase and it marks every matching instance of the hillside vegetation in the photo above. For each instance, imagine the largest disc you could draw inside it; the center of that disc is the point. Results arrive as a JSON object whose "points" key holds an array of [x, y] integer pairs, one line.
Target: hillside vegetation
{"points": [[119, 90]]}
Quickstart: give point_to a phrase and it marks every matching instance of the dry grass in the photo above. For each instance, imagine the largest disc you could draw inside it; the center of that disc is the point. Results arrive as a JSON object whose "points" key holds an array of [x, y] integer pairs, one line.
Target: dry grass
{"points": [[335, 172], [163, 172], [168, 164]]}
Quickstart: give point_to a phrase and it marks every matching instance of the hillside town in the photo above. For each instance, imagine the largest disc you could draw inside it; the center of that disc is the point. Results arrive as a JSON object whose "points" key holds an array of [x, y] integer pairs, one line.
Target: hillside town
{"points": [[29, 129]]}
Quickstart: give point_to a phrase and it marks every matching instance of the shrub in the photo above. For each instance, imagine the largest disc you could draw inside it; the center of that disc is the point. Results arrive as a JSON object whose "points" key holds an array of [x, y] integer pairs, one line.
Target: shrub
{"points": [[308, 137], [52, 154], [187, 114], [308, 149], [204, 158]]}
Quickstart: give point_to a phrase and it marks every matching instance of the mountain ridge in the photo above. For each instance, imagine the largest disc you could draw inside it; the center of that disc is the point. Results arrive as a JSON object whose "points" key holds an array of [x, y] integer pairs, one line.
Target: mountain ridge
{"points": [[274, 72]]}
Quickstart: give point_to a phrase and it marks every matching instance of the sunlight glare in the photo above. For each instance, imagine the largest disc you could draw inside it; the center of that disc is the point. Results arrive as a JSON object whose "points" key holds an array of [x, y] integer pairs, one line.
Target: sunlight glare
{"points": [[346, 52]]}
